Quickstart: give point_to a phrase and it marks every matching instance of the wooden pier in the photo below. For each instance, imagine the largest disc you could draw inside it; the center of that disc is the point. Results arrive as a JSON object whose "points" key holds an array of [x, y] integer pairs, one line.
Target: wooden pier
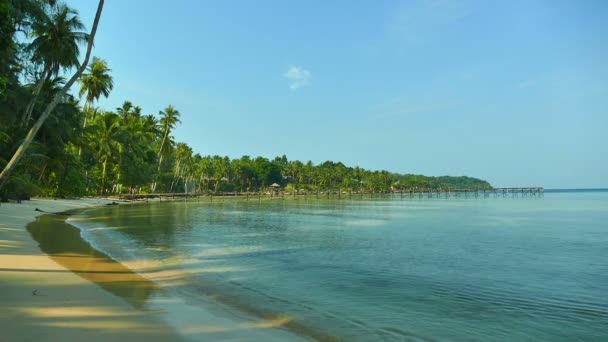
{"points": [[327, 194], [475, 193]]}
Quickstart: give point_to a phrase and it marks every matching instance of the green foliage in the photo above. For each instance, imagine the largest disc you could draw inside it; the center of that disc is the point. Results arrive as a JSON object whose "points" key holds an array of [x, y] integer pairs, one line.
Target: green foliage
{"points": [[57, 37], [266, 173], [72, 183], [96, 81], [135, 171], [20, 187], [6, 46]]}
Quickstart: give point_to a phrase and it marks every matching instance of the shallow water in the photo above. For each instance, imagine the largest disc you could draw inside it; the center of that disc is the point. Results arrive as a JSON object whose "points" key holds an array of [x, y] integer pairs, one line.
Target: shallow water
{"points": [[432, 269]]}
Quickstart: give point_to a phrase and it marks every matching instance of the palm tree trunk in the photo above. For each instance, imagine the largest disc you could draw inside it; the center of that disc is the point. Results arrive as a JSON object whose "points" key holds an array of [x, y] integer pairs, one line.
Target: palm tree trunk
{"points": [[49, 108], [175, 175], [160, 150], [84, 125], [160, 161], [30, 106], [103, 176], [42, 170], [160, 158]]}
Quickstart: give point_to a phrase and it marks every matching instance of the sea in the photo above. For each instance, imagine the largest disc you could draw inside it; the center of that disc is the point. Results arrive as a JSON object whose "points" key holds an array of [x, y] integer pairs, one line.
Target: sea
{"points": [[515, 268]]}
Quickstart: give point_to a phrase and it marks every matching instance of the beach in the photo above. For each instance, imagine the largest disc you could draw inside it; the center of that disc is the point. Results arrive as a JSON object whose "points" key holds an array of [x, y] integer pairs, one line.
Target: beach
{"points": [[64, 306], [85, 296]]}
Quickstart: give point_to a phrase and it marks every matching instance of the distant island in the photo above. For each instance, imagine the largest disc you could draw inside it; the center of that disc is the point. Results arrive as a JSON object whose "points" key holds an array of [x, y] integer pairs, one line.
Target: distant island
{"points": [[50, 145]]}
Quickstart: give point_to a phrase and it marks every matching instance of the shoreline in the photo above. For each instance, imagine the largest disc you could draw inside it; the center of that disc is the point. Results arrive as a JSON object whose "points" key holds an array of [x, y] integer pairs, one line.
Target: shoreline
{"points": [[81, 293], [43, 300]]}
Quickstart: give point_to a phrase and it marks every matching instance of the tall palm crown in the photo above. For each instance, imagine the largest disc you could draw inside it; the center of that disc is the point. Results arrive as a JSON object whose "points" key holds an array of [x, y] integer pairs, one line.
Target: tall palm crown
{"points": [[168, 119], [140, 136], [125, 111], [96, 81], [56, 40], [151, 124], [106, 135]]}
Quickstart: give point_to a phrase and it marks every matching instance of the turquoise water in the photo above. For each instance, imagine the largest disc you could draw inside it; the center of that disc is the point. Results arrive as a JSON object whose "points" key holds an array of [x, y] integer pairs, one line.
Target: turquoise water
{"points": [[432, 269]]}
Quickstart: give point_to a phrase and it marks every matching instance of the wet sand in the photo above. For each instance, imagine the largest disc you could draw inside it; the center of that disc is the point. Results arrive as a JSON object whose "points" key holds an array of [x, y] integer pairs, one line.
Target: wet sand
{"points": [[42, 300]]}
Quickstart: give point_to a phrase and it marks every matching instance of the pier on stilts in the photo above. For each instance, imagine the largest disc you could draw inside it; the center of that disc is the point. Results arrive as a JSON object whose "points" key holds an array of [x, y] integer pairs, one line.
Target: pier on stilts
{"points": [[440, 193], [474, 193]]}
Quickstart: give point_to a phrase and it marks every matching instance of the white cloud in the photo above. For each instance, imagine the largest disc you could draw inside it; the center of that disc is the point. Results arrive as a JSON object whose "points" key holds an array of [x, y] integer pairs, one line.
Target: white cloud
{"points": [[298, 77]]}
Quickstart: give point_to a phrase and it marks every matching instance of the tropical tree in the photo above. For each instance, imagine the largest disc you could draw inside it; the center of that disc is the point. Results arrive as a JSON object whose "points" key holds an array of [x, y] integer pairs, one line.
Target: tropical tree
{"points": [[57, 38], [168, 119], [95, 83], [150, 124], [105, 138], [205, 170], [49, 108], [184, 165], [125, 111]]}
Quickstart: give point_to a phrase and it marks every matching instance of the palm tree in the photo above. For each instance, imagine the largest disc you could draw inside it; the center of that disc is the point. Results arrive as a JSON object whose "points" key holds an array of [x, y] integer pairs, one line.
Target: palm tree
{"points": [[183, 165], [205, 168], [136, 113], [168, 119], [140, 136], [95, 82], [151, 124], [55, 46], [125, 111], [105, 138], [24, 12], [221, 170], [27, 141]]}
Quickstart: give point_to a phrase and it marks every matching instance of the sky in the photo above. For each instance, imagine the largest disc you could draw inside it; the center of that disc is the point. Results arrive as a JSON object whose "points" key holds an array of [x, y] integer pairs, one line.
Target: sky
{"points": [[513, 92]]}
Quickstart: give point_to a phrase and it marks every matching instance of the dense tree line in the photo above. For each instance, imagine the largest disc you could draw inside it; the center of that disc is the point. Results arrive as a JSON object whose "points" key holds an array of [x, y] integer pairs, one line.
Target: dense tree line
{"points": [[85, 150]]}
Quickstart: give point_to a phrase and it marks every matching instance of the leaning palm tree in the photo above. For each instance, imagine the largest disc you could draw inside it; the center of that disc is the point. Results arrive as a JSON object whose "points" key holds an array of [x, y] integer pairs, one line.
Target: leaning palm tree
{"points": [[95, 83], [10, 166], [55, 46], [168, 119]]}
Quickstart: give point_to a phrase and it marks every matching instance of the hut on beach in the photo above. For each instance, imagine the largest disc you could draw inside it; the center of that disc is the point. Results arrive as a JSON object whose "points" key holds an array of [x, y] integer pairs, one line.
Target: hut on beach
{"points": [[275, 188]]}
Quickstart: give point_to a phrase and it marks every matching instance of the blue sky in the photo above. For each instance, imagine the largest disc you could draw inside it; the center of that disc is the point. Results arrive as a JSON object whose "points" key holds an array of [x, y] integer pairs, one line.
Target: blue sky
{"points": [[514, 92]]}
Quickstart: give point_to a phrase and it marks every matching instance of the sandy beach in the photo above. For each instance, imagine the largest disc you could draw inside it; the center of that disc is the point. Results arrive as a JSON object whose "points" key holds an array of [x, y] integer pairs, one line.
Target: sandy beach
{"points": [[64, 306], [80, 295]]}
